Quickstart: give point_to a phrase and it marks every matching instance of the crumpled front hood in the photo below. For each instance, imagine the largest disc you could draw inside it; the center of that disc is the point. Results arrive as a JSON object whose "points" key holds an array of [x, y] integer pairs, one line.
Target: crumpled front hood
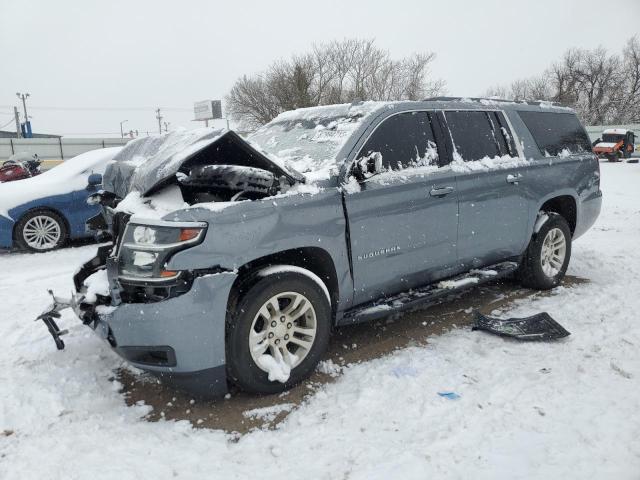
{"points": [[146, 164]]}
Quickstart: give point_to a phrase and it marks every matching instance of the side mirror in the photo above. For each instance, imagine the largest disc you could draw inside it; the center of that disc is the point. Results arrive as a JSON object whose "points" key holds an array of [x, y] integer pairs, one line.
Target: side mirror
{"points": [[366, 167], [94, 179]]}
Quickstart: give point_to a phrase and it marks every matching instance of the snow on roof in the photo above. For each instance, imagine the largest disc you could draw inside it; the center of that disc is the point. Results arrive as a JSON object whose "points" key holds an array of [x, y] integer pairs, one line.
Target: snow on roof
{"points": [[615, 131]]}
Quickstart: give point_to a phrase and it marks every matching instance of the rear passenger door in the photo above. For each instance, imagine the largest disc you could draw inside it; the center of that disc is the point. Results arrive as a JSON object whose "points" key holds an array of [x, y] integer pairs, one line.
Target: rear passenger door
{"points": [[493, 206], [403, 222]]}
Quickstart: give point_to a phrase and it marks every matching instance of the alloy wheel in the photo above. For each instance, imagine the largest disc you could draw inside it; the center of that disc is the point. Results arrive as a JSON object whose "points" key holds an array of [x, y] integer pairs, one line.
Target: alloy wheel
{"points": [[554, 250], [285, 328], [42, 232]]}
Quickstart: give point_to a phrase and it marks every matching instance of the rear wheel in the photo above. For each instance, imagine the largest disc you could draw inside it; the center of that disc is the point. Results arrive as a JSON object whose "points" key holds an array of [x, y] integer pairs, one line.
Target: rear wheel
{"points": [[546, 260], [278, 332], [40, 231]]}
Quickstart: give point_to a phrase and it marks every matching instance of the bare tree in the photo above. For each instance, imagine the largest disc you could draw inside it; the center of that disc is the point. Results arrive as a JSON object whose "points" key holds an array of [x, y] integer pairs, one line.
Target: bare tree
{"points": [[603, 88], [335, 72]]}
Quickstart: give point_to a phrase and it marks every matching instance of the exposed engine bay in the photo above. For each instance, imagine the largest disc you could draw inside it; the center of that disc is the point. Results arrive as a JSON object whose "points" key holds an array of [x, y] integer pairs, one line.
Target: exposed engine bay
{"points": [[208, 165]]}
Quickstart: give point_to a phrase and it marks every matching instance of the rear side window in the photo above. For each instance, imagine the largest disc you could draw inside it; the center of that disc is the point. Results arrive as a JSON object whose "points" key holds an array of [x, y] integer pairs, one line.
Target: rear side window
{"points": [[554, 132], [473, 135], [405, 140]]}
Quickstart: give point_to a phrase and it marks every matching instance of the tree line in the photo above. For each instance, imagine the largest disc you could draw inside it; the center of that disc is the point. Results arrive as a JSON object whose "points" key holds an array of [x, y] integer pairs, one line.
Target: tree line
{"points": [[603, 87]]}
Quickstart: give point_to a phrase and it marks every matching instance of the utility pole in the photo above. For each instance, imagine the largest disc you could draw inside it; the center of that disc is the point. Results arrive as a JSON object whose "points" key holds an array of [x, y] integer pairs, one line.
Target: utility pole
{"points": [[159, 117], [17, 117], [27, 123], [121, 132]]}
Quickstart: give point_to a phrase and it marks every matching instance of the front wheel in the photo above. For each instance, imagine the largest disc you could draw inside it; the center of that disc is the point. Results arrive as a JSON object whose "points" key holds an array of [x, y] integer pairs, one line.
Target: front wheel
{"points": [[278, 331], [547, 257]]}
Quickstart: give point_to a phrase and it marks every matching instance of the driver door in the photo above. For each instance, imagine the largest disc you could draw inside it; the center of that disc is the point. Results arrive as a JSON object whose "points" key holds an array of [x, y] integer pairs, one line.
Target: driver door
{"points": [[403, 222]]}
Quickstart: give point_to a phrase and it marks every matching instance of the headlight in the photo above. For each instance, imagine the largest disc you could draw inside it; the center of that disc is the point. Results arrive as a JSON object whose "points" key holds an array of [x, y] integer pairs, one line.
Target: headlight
{"points": [[146, 248]]}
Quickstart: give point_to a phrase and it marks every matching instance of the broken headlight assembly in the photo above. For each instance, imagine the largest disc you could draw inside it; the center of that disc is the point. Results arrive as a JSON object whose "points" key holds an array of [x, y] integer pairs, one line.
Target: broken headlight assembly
{"points": [[147, 247]]}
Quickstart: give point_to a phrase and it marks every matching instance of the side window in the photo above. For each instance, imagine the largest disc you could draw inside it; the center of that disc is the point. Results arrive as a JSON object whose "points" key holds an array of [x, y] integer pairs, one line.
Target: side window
{"points": [[503, 135], [556, 132], [473, 135], [405, 140]]}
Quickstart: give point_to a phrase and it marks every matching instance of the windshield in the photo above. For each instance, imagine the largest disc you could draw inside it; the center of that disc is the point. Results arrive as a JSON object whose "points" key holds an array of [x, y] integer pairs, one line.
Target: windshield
{"points": [[611, 138], [309, 139]]}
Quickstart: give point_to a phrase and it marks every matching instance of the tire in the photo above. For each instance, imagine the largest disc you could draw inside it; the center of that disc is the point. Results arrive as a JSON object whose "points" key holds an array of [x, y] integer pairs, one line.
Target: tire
{"points": [[40, 231], [248, 319], [539, 270]]}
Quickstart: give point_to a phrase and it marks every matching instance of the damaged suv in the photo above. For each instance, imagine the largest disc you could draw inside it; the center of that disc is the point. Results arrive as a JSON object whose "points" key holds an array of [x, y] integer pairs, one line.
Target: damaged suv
{"points": [[231, 259]]}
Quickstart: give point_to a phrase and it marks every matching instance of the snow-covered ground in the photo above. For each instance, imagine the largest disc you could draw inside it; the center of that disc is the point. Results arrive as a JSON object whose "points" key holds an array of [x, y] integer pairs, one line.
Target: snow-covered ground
{"points": [[569, 409]]}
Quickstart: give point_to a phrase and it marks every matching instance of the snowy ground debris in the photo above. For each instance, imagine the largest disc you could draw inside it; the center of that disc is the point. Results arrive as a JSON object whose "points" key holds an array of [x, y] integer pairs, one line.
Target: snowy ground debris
{"points": [[568, 409]]}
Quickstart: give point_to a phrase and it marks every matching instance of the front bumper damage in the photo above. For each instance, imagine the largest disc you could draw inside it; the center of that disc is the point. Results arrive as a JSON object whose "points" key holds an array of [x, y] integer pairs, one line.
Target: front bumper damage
{"points": [[181, 340]]}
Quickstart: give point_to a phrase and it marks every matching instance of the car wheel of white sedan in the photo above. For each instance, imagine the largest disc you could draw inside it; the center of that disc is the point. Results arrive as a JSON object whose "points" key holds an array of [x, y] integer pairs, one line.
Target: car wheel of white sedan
{"points": [[40, 231]]}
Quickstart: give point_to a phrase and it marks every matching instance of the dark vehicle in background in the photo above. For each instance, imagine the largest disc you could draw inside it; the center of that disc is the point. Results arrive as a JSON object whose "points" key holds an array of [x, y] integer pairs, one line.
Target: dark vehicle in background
{"points": [[325, 217]]}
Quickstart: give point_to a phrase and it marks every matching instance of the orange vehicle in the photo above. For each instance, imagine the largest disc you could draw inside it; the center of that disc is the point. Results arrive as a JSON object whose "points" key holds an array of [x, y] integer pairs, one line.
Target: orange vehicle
{"points": [[616, 144]]}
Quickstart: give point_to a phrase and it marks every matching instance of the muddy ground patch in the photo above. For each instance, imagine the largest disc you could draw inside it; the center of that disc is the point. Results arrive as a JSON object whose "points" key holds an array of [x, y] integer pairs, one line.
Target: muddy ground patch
{"points": [[241, 412]]}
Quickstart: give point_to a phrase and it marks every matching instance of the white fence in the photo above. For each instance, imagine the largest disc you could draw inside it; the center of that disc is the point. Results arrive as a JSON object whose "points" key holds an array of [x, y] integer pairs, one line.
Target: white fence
{"points": [[55, 148]]}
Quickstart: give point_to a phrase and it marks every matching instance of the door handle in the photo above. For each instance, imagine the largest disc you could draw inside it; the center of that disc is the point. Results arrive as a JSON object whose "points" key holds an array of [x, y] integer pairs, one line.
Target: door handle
{"points": [[440, 191], [515, 179]]}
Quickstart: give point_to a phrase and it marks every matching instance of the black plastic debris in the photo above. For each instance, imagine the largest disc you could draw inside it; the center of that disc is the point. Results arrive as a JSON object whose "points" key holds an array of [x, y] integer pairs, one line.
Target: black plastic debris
{"points": [[536, 327]]}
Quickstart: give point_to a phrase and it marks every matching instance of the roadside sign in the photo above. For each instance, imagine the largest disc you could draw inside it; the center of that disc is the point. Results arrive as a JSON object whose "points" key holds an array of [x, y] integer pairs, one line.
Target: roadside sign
{"points": [[207, 110]]}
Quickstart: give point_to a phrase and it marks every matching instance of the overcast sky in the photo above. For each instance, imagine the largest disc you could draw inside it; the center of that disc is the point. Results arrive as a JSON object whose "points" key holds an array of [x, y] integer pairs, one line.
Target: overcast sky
{"points": [[128, 57]]}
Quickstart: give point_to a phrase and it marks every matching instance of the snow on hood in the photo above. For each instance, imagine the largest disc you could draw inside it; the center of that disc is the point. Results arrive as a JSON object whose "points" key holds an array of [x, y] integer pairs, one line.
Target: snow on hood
{"points": [[606, 145], [71, 175], [309, 140], [147, 163]]}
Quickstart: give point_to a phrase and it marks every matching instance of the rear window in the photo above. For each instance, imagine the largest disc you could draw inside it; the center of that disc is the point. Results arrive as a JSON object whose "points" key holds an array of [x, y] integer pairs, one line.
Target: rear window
{"points": [[555, 132]]}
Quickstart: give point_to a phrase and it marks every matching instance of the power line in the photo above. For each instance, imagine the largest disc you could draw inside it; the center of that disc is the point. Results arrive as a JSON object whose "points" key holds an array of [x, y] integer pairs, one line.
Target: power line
{"points": [[106, 109], [8, 123]]}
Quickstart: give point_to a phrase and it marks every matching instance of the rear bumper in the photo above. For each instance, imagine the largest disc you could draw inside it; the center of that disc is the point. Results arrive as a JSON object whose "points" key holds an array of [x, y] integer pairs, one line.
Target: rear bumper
{"points": [[588, 213], [181, 340]]}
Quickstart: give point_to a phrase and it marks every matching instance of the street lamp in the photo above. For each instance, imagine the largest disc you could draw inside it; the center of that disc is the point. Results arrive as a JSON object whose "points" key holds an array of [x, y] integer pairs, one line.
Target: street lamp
{"points": [[121, 132]]}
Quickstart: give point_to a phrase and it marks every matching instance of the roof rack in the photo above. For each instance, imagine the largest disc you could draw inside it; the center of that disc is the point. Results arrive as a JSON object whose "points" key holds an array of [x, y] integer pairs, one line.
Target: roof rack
{"points": [[478, 99]]}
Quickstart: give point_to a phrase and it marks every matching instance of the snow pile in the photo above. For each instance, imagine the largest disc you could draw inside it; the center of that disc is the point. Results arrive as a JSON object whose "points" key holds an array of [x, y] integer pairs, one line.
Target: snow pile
{"points": [[97, 284], [328, 367], [566, 409], [155, 206], [459, 165], [70, 176], [278, 369], [451, 284]]}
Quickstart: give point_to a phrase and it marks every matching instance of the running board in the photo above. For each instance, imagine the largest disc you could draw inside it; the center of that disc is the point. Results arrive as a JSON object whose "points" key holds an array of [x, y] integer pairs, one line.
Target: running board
{"points": [[429, 294]]}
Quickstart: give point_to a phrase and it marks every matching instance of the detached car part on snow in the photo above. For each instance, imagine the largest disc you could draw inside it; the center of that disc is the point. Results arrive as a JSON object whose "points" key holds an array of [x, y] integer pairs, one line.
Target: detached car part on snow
{"points": [[232, 259]]}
